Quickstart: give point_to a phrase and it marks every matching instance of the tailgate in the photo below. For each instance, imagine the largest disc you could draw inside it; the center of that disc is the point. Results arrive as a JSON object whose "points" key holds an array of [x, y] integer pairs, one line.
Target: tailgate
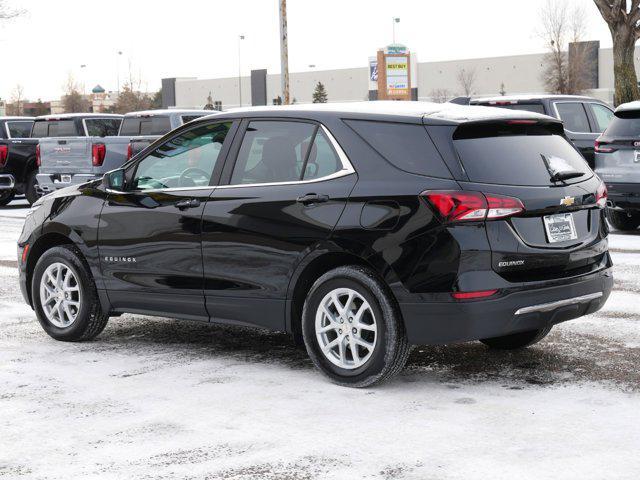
{"points": [[65, 155]]}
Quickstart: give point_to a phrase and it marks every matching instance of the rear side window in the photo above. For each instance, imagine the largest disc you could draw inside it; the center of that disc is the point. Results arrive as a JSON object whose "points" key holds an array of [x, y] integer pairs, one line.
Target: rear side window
{"points": [[19, 129], [574, 116], [602, 115], [527, 107], [516, 156], [406, 146], [102, 127], [624, 124], [152, 125]]}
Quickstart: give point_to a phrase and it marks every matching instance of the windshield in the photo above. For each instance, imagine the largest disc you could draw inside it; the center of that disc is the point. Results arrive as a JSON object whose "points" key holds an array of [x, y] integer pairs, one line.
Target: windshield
{"points": [[624, 124]]}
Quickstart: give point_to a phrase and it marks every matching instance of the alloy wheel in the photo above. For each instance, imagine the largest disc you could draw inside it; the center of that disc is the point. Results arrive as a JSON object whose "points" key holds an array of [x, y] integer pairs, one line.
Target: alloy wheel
{"points": [[60, 295]]}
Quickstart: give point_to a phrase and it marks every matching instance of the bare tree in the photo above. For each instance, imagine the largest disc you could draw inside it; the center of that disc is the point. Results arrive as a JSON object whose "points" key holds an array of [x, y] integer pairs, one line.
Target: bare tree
{"points": [[440, 95], [623, 19], [7, 13], [467, 80], [73, 101], [16, 106], [131, 97], [562, 28]]}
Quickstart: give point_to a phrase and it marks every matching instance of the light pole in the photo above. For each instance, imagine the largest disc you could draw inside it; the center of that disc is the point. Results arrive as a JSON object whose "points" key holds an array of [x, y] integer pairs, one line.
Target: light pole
{"points": [[119, 52], [240, 38], [395, 20], [83, 69], [284, 53]]}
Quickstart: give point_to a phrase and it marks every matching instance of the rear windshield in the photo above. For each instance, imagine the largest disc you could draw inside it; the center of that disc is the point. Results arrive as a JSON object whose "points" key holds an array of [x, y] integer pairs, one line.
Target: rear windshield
{"points": [[517, 156], [156, 125], [624, 124], [102, 127], [528, 107], [406, 146], [55, 128], [19, 129]]}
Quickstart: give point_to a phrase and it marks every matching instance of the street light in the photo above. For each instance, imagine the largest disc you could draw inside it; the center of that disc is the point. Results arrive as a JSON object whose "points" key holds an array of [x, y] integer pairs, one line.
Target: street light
{"points": [[395, 20], [84, 79], [119, 52], [240, 38]]}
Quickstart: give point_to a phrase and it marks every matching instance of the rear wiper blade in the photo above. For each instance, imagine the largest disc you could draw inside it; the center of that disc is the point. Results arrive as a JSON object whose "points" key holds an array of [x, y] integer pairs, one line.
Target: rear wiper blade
{"points": [[560, 176]]}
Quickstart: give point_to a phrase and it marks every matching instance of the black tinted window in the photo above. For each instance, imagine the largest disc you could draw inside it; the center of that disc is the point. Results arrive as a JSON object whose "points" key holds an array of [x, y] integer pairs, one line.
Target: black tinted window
{"points": [[574, 116], [272, 152], [406, 146], [130, 126], [519, 159], [102, 127], [40, 129], [55, 128], [19, 129], [624, 124], [155, 126]]}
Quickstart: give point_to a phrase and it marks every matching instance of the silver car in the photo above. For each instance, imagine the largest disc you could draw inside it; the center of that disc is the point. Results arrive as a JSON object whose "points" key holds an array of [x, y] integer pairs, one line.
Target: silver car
{"points": [[617, 162]]}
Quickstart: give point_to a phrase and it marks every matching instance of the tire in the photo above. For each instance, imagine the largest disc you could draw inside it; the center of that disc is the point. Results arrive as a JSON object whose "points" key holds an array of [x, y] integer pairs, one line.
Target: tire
{"points": [[83, 321], [516, 340], [30, 191], [6, 196], [381, 328], [624, 221]]}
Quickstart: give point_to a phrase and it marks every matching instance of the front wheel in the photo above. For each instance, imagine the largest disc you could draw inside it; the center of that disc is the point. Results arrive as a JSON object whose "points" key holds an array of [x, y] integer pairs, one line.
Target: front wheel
{"points": [[624, 221], [516, 340], [64, 296], [6, 196], [352, 328]]}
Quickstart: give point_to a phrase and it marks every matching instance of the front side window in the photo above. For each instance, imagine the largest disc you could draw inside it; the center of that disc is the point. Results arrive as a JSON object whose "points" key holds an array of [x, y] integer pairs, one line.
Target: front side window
{"points": [[603, 116], [275, 151], [185, 161], [19, 129], [102, 127], [574, 116]]}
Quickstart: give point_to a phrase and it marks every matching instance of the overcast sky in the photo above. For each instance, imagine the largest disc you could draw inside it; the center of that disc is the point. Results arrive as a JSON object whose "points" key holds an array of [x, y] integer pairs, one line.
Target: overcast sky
{"points": [[199, 38]]}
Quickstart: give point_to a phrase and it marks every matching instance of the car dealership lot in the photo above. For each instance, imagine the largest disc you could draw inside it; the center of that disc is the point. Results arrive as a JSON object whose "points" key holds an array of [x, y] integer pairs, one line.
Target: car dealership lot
{"points": [[158, 398]]}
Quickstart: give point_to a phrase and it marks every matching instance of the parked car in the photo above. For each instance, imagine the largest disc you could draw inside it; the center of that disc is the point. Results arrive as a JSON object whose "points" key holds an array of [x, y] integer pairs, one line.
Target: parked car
{"points": [[17, 159], [584, 118], [359, 228], [92, 151], [618, 164]]}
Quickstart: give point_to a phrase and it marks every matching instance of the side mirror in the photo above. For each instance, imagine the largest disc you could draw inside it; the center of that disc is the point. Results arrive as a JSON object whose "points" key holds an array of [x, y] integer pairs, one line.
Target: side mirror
{"points": [[114, 180]]}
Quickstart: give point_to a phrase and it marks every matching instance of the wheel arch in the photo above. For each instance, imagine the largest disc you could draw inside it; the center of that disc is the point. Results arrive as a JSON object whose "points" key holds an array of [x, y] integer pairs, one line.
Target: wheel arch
{"points": [[44, 242]]}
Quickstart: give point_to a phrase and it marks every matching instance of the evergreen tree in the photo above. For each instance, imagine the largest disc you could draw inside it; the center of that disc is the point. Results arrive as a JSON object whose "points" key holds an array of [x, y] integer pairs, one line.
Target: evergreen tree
{"points": [[320, 94]]}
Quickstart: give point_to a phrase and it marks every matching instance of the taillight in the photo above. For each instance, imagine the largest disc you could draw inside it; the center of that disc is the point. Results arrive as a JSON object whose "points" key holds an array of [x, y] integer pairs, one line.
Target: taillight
{"points": [[98, 151], [603, 147], [38, 159], [4, 153], [129, 152], [473, 295], [461, 206], [601, 195]]}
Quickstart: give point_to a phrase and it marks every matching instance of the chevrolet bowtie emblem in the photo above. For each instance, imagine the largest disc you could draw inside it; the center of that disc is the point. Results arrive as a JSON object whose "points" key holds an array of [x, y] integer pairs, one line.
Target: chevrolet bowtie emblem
{"points": [[567, 201]]}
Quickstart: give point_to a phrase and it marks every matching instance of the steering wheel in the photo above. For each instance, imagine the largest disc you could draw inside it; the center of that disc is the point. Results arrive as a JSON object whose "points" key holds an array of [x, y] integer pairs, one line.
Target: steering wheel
{"points": [[186, 174]]}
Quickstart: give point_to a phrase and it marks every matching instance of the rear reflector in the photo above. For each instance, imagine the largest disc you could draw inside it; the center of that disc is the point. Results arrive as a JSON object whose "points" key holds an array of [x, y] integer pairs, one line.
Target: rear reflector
{"points": [[522, 122], [601, 195], [4, 153], [473, 295], [25, 252], [461, 206], [129, 151], [38, 159], [98, 151]]}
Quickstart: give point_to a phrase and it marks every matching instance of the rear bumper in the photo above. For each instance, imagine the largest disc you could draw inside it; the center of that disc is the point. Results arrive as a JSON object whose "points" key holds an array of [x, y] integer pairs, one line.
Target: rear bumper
{"points": [[49, 182], [448, 322], [625, 196]]}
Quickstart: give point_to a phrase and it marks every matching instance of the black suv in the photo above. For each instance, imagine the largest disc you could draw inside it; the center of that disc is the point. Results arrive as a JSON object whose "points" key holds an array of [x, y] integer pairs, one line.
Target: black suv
{"points": [[361, 229]]}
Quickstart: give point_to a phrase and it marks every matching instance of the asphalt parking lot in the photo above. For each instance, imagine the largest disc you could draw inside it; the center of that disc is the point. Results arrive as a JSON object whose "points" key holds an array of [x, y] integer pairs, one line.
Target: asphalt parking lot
{"points": [[159, 398]]}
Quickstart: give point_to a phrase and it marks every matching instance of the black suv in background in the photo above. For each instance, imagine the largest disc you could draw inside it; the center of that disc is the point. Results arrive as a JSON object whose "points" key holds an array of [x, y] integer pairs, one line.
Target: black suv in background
{"points": [[618, 164], [360, 228], [584, 118]]}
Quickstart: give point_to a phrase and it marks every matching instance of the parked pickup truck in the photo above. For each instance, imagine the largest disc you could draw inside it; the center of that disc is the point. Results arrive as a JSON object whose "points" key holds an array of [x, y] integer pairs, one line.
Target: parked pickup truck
{"points": [[89, 154], [17, 159], [584, 118]]}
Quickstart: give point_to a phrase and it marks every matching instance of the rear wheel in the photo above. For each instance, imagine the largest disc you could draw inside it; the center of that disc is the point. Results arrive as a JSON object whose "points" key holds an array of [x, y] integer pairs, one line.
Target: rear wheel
{"points": [[30, 190], [624, 221], [352, 328], [64, 296], [6, 196], [516, 340]]}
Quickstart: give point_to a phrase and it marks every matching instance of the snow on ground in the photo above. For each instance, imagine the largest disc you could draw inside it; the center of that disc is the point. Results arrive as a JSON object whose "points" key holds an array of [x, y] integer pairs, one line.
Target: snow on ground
{"points": [[159, 398]]}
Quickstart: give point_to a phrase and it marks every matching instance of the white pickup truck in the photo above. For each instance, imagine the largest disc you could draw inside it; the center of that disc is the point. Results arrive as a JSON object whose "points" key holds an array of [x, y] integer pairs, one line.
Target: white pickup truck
{"points": [[90, 145]]}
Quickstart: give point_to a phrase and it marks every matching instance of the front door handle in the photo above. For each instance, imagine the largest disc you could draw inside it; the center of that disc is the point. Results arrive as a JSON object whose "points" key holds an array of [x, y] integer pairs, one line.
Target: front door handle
{"points": [[185, 204], [310, 198]]}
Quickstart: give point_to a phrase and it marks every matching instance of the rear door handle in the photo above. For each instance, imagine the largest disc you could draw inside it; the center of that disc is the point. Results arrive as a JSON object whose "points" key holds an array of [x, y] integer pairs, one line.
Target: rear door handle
{"points": [[310, 198], [185, 204]]}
